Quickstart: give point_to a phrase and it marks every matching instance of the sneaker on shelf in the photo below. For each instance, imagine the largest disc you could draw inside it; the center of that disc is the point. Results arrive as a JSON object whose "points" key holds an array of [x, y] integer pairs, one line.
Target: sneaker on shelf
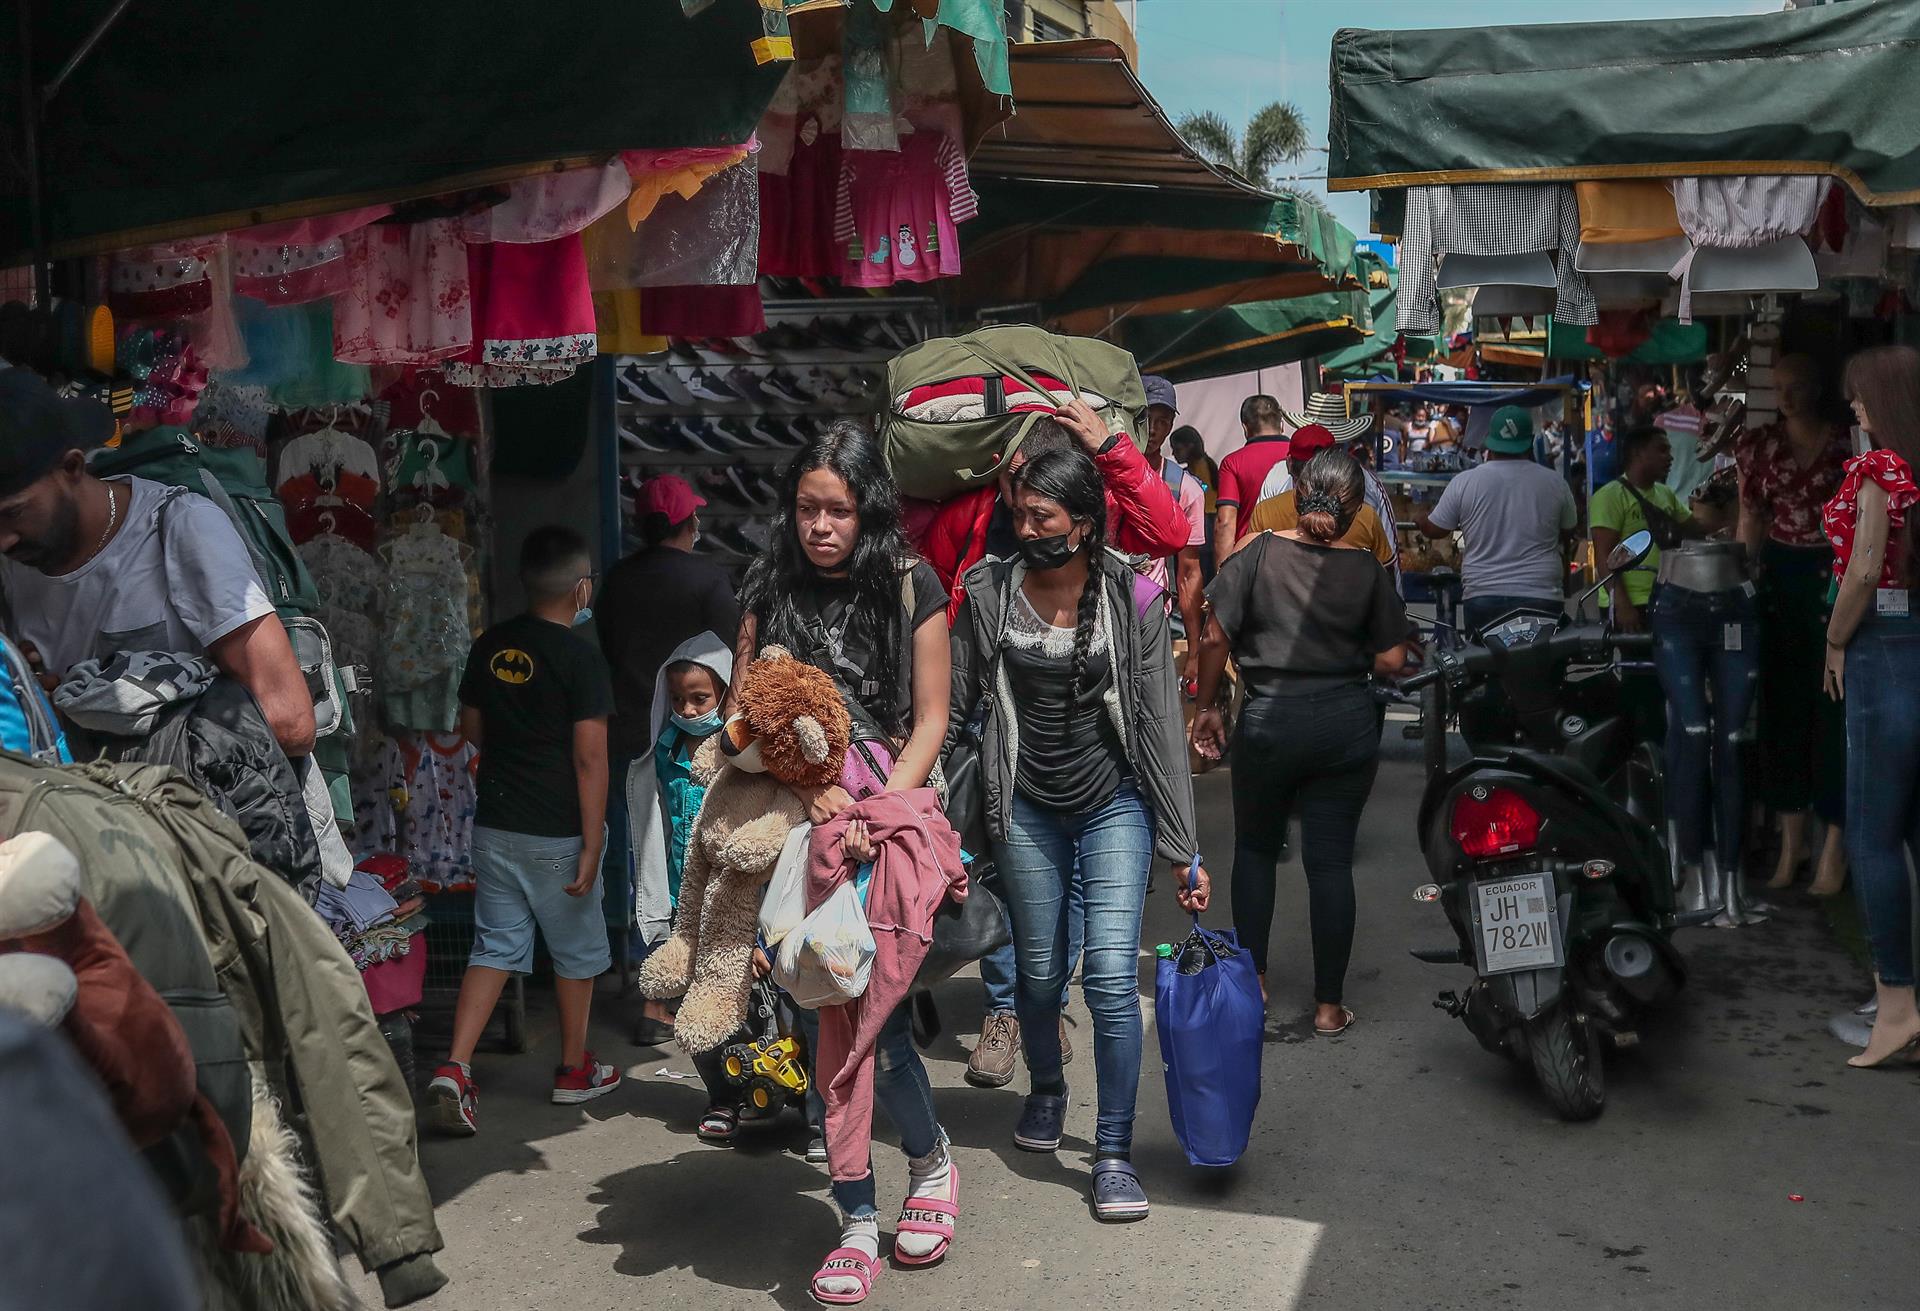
{"points": [[706, 387], [763, 435], [644, 437], [746, 383], [721, 491], [759, 533], [785, 388], [721, 348], [637, 385], [836, 336], [785, 339], [861, 384], [684, 352], [583, 1082], [700, 437], [774, 287], [824, 387], [765, 489], [736, 541], [748, 346], [453, 1103], [745, 489], [900, 330]]}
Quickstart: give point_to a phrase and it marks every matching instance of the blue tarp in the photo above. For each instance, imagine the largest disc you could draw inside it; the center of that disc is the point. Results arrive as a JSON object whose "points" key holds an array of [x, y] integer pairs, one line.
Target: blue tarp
{"points": [[1477, 393]]}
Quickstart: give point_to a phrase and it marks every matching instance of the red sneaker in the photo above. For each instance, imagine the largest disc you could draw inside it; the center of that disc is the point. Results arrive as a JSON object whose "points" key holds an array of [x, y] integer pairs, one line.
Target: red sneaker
{"points": [[583, 1082], [452, 1101]]}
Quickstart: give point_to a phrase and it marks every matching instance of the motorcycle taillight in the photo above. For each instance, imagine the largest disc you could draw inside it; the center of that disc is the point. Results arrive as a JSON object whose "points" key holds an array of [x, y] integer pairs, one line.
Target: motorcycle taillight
{"points": [[1494, 822]]}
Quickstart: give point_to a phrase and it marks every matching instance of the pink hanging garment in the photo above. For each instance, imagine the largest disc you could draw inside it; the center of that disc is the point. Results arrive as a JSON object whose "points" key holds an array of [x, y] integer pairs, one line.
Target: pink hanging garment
{"points": [[533, 314], [408, 298], [896, 212], [160, 282], [312, 231], [551, 205], [289, 274]]}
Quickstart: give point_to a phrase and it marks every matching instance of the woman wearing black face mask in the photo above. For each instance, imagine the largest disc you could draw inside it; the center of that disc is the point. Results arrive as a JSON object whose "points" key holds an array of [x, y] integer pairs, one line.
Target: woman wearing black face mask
{"points": [[1086, 776]]}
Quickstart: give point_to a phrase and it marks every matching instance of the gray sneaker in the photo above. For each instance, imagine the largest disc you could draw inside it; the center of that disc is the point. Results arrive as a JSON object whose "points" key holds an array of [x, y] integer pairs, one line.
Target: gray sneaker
{"points": [[991, 1065]]}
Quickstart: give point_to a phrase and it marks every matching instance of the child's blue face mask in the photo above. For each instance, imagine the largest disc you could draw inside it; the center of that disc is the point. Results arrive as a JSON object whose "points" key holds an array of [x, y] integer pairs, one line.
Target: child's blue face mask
{"points": [[701, 726]]}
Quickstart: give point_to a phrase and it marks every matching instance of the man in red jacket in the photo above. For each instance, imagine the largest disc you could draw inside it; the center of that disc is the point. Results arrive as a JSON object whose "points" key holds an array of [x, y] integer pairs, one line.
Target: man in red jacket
{"points": [[1143, 518]]}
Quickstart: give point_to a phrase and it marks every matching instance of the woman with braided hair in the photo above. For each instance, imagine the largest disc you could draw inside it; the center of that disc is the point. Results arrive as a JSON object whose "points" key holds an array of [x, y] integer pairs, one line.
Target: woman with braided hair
{"points": [[1307, 617], [1085, 771]]}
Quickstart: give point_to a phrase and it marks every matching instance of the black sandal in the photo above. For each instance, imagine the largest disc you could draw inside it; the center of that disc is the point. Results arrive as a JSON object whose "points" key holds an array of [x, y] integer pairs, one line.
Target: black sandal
{"points": [[720, 1126]]}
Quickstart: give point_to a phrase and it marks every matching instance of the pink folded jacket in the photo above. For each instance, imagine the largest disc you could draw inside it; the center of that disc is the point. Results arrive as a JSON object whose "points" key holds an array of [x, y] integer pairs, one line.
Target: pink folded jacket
{"points": [[916, 865]]}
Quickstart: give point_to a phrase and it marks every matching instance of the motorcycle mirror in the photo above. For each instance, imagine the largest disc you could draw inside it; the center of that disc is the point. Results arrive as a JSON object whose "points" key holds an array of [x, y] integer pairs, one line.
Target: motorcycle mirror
{"points": [[1630, 552]]}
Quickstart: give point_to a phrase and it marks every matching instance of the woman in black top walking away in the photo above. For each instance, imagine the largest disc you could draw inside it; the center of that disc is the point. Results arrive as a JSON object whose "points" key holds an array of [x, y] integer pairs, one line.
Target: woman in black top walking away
{"points": [[1086, 778], [1307, 618]]}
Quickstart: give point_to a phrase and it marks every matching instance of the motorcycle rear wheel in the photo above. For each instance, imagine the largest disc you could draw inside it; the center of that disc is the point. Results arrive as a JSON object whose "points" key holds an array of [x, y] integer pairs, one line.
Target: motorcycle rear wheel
{"points": [[1564, 1050]]}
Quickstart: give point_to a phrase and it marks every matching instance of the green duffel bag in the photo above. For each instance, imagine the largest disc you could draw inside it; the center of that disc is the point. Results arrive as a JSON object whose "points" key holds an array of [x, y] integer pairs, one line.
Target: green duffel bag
{"points": [[939, 439]]}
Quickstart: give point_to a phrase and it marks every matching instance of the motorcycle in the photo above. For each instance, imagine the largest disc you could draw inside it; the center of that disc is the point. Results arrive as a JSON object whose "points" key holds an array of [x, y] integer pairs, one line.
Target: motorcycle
{"points": [[1547, 850]]}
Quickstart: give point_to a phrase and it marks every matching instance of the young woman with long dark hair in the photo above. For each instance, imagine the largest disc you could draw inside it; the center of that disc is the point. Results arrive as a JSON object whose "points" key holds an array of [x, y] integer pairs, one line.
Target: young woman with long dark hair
{"points": [[839, 588], [1307, 617], [1873, 665], [1086, 776]]}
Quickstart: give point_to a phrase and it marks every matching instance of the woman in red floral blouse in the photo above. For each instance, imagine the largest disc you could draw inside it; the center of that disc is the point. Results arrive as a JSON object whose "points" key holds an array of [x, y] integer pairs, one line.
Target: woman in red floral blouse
{"points": [[1788, 472], [1873, 664]]}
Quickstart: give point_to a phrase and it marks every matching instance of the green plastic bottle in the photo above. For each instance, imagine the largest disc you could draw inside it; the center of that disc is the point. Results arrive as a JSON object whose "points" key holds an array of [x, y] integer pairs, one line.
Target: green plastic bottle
{"points": [[1164, 951]]}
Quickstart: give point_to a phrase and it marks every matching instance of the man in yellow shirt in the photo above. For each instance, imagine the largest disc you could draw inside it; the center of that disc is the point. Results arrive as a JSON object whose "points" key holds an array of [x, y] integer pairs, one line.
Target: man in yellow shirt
{"points": [[1277, 513]]}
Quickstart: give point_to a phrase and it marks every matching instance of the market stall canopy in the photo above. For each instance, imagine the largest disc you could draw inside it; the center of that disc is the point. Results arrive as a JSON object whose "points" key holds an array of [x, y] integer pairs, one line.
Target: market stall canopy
{"points": [[1094, 207], [1825, 90], [1467, 393], [1374, 356], [191, 117], [1239, 338]]}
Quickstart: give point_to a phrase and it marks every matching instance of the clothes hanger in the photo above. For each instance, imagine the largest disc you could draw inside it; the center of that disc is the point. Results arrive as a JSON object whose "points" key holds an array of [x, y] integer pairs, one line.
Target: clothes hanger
{"points": [[428, 425]]}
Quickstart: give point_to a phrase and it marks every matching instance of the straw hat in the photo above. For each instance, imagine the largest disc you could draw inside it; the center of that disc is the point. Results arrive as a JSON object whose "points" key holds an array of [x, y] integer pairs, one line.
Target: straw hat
{"points": [[1329, 410]]}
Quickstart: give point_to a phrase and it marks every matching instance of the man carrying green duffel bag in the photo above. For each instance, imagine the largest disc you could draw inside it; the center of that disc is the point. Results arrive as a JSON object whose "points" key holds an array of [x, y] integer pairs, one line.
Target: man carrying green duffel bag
{"points": [[963, 412]]}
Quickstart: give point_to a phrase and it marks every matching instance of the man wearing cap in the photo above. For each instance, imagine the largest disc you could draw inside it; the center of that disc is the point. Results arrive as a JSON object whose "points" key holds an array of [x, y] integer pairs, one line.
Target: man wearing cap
{"points": [[96, 566], [1328, 409], [1514, 517], [1185, 585], [651, 602], [1280, 512]]}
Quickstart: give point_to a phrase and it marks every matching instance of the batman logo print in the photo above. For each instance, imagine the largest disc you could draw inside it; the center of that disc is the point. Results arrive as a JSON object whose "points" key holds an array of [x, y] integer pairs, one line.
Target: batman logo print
{"points": [[511, 665]]}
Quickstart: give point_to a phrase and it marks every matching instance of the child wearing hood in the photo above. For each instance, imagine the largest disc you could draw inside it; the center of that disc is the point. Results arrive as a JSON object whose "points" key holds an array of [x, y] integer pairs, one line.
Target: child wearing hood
{"points": [[664, 799]]}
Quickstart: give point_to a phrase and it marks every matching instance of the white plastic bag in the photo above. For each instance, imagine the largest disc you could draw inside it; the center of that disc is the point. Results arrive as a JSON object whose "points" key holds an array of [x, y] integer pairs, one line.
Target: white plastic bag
{"points": [[785, 902], [826, 961]]}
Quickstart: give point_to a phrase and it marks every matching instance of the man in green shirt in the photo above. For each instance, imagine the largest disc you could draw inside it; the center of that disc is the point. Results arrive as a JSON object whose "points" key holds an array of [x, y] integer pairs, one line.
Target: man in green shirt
{"points": [[1621, 509]]}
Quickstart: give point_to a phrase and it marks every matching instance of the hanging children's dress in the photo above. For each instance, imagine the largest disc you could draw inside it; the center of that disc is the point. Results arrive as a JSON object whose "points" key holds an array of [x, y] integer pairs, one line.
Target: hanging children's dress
{"points": [[427, 638], [408, 298], [896, 211], [532, 314]]}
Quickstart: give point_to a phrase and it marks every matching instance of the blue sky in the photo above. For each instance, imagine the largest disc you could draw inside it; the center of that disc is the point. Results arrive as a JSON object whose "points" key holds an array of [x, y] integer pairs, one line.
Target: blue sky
{"points": [[1233, 56]]}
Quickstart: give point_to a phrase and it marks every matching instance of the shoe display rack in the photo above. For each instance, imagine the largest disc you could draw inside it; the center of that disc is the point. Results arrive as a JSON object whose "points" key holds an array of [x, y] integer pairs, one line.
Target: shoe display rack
{"points": [[728, 413]]}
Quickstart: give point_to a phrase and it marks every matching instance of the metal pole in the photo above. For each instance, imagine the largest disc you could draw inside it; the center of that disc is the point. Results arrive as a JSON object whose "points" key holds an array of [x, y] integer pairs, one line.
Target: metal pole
{"points": [[30, 140], [84, 49]]}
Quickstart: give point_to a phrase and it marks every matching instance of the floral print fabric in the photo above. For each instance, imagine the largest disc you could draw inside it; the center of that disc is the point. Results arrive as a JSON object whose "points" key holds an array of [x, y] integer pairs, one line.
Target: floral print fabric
{"points": [[409, 297], [1842, 514], [1773, 484]]}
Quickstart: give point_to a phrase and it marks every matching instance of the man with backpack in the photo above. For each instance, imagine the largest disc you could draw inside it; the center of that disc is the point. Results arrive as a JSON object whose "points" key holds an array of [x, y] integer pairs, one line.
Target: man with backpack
{"points": [[94, 566]]}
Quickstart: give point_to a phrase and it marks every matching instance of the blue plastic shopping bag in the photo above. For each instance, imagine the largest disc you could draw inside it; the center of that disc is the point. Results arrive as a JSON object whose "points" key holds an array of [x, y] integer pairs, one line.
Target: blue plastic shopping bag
{"points": [[1207, 1008]]}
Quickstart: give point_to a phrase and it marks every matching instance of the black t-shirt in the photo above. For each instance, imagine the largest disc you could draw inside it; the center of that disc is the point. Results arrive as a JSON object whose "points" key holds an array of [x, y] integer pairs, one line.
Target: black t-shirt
{"points": [[1071, 759], [828, 599], [532, 681], [1306, 614], [651, 602]]}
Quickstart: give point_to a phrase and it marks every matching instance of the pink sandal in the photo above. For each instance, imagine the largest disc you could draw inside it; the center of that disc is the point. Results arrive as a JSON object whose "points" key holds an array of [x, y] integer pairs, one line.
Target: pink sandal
{"points": [[930, 1215], [840, 1262]]}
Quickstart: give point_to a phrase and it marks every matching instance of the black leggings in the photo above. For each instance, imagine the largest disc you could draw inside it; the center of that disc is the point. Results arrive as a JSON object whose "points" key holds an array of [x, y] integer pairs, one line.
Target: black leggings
{"points": [[1314, 755]]}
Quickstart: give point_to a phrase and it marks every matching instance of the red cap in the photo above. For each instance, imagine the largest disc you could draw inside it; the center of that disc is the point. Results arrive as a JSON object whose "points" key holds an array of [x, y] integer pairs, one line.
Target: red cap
{"points": [[1308, 441], [668, 494]]}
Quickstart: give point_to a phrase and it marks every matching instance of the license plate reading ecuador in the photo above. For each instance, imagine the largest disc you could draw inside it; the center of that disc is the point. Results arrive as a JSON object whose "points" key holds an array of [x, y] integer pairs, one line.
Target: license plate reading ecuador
{"points": [[1516, 924]]}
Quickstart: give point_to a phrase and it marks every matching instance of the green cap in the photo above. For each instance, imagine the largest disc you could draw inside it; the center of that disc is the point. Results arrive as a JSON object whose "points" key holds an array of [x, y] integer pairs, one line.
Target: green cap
{"points": [[1164, 951], [1512, 431]]}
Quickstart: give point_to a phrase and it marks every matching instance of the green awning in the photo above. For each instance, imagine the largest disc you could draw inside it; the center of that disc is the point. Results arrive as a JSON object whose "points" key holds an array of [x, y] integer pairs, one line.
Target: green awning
{"points": [[1093, 208], [1085, 253], [1210, 343], [1822, 90], [1672, 342], [1373, 355], [193, 117]]}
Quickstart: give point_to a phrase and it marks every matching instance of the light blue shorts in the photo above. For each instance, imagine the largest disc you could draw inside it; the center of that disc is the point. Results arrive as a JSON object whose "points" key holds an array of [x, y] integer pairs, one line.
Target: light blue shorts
{"points": [[521, 880]]}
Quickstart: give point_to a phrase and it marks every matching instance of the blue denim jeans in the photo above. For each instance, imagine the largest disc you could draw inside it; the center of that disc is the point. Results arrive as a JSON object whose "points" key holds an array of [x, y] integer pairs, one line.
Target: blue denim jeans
{"points": [[999, 971], [1883, 794], [1106, 853], [1706, 649], [1476, 612], [899, 1084]]}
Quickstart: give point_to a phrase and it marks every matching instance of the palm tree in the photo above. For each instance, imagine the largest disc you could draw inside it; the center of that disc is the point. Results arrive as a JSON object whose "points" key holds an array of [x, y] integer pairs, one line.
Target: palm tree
{"points": [[1276, 135]]}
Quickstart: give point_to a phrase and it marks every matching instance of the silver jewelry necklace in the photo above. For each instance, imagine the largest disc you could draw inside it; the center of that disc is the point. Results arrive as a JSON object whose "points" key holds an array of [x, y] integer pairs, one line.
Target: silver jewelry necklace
{"points": [[113, 517]]}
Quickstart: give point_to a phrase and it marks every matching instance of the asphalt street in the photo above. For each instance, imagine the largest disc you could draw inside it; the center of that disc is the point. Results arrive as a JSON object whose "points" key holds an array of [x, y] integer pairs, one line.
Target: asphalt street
{"points": [[1739, 1162]]}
